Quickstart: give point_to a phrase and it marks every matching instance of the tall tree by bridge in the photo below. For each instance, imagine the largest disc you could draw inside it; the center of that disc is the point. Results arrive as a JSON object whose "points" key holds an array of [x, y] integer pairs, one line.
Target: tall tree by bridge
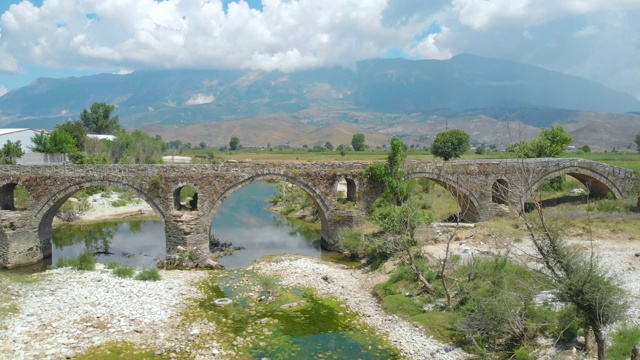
{"points": [[99, 120]]}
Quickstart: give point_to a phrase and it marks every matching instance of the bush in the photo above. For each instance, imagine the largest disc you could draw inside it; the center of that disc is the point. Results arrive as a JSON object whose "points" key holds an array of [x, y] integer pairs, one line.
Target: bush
{"points": [[119, 203], [85, 261], [123, 271], [523, 353], [623, 341], [148, 275]]}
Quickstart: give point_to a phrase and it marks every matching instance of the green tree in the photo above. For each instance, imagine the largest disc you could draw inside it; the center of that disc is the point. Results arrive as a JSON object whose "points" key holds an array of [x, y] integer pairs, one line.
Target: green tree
{"points": [[328, 145], [202, 145], [57, 141], [450, 144], [234, 144], [390, 173], [550, 143], [76, 130], [638, 141], [11, 151], [99, 120], [135, 148], [585, 149], [357, 142]]}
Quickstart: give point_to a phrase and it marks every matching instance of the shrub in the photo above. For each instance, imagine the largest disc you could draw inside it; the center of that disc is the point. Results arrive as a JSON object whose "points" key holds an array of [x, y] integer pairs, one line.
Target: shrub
{"points": [[148, 275], [523, 353], [119, 203], [123, 271], [623, 341]]}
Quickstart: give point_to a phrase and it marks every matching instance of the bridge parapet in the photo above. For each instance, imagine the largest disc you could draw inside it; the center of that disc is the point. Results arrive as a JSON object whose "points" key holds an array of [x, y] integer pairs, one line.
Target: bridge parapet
{"points": [[476, 184]]}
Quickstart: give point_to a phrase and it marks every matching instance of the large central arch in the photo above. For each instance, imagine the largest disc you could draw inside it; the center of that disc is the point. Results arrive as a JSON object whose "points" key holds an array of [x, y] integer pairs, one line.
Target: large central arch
{"points": [[48, 210], [319, 202], [599, 185], [469, 205]]}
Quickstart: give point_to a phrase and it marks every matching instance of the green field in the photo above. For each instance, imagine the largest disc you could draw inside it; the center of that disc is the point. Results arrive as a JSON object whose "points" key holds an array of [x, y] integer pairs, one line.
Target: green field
{"points": [[629, 160]]}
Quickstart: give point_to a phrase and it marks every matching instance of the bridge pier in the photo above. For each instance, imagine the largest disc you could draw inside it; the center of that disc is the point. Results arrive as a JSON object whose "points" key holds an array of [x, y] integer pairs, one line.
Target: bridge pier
{"points": [[338, 221], [186, 229], [19, 243]]}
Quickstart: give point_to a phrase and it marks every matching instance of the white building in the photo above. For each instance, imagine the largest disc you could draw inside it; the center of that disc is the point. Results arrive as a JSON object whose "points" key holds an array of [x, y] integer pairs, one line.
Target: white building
{"points": [[24, 135]]}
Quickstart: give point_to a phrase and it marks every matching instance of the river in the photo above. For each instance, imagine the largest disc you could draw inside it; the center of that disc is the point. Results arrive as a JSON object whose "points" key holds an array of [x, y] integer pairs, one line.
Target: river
{"points": [[243, 220]]}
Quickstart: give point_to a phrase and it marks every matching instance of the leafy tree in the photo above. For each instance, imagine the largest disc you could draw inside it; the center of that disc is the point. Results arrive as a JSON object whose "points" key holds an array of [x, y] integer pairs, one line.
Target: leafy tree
{"points": [[450, 144], [135, 148], [202, 145], [328, 145], [585, 149], [234, 144], [638, 141], [99, 120], [11, 151], [550, 143], [76, 130], [39, 142], [57, 141], [357, 142], [389, 173], [579, 279]]}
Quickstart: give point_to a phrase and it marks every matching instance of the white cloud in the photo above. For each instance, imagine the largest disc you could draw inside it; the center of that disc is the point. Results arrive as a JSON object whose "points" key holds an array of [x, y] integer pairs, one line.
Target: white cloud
{"points": [[596, 39], [200, 99], [3, 90]]}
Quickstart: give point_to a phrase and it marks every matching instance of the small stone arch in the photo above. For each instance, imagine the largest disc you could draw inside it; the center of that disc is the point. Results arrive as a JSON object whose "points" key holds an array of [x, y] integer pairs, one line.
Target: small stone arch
{"points": [[468, 203], [177, 203], [500, 192], [350, 187], [7, 194], [599, 185], [47, 211], [320, 203]]}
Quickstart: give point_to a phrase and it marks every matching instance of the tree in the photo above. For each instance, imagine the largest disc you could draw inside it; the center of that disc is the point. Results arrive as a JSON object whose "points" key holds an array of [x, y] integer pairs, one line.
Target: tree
{"points": [[638, 141], [585, 149], [357, 142], [11, 151], [99, 120], [389, 173], [550, 143], [450, 144], [234, 144], [57, 141], [202, 145], [76, 130], [328, 145]]}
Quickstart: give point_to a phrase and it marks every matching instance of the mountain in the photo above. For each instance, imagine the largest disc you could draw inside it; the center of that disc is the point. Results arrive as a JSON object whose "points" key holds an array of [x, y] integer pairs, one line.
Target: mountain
{"points": [[378, 92]]}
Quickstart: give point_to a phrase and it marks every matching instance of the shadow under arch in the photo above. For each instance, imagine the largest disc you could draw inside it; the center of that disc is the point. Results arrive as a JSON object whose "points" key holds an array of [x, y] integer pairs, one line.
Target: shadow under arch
{"points": [[599, 186], [7, 194], [48, 210], [319, 202], [468, 203]]}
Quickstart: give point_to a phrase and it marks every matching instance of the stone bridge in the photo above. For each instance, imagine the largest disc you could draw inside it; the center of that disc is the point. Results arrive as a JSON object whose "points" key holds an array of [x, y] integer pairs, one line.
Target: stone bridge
{"points": [[25, 235]]}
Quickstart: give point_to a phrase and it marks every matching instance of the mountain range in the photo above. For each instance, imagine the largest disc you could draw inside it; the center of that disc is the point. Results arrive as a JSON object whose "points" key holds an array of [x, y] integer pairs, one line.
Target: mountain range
{"points": [[376, 96]]}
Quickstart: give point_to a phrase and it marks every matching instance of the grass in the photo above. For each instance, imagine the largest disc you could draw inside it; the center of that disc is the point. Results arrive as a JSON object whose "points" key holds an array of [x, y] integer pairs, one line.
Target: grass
{"points": [[124, 271], [150, 274], [84, 261], [623, 341]]}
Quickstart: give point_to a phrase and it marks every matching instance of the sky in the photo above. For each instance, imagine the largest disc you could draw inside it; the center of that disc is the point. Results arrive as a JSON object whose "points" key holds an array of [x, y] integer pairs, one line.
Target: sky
{"points": [[595, 39]]}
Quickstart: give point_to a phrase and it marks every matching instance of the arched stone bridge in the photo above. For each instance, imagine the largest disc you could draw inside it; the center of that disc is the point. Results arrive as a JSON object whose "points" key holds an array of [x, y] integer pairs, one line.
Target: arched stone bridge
{"points": [[25, 236]]}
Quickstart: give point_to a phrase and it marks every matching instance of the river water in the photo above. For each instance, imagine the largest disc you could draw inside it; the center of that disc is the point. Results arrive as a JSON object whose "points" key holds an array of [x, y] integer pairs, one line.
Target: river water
{"points": [[243, 220]]}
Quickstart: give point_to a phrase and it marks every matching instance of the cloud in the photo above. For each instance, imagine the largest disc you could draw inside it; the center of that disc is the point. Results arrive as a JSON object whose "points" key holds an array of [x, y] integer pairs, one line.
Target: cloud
{"points": [[3, 90], [590, 38]]}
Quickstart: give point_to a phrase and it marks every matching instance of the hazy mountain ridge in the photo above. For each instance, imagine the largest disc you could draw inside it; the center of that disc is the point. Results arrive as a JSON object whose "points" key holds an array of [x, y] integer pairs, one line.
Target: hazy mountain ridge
{"points": [[460, 87]]}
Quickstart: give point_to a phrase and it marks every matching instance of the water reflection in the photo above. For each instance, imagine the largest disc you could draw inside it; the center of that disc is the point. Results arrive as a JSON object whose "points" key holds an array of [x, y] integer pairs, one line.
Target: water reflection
{"points": [[137, 243], [245, 221]]}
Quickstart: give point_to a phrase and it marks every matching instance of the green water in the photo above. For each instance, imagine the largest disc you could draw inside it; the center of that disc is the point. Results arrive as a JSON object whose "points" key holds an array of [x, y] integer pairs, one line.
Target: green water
{"points": [[322, 328]]}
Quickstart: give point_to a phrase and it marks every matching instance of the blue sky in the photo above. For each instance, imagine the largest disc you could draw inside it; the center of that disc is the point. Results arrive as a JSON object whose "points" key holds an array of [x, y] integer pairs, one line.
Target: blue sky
{"points": [[595, 39]]}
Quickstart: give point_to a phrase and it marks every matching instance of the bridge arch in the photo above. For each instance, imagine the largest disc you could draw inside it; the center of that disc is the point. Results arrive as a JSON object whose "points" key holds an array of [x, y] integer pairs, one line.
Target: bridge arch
{"points": [[600, 186], [7, 194], [469, 204], [320, 203], [46, 213], [350, 186], [176, 191]]}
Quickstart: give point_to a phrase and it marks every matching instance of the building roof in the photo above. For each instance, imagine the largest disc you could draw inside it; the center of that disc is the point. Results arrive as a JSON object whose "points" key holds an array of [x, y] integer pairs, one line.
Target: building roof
{"points": [[13, 131]]}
